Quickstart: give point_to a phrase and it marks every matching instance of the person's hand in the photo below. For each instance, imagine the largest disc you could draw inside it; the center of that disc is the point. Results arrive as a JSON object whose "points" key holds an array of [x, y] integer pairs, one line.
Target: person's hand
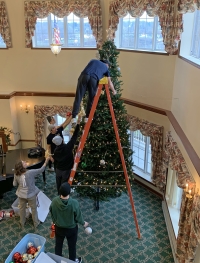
{"points": [[47, 159], [114, 92], [86, 224]]}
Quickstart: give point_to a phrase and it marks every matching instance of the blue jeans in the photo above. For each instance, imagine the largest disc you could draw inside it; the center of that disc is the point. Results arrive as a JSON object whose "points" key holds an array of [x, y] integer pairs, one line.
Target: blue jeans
{"points": [[85, 83], [71, 234]]}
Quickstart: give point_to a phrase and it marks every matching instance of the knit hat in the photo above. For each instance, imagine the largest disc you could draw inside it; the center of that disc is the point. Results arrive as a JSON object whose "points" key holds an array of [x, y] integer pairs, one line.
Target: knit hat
{"points": [[65, 189], [49, 118], [50, 127], [57, 140], [105, 61]]}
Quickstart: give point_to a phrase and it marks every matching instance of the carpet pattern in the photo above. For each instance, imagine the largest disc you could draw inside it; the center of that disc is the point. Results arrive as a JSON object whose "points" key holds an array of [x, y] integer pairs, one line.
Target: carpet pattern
{"points": [[114, 238]]}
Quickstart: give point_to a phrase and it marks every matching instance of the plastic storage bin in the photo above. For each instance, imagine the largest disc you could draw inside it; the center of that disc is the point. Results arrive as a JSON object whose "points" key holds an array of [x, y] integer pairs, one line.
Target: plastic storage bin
{"points": [[21, 247]]}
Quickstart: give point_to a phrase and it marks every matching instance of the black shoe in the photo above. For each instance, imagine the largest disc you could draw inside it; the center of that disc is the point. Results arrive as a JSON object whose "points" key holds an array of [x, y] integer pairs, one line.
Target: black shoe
{"points": [[78, 260]]}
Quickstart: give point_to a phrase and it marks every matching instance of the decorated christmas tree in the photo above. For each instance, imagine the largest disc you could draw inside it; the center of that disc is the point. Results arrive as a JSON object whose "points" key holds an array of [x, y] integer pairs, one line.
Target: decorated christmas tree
{"points": [[100, 173]]}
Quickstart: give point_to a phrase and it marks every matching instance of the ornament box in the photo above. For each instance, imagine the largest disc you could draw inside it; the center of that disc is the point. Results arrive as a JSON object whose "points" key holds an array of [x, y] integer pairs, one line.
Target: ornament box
{"points": [[51, 258], [21, 247], [59, 259]]}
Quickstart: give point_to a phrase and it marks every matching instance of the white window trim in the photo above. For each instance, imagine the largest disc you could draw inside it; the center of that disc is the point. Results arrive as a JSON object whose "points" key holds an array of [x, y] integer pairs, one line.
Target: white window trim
{"points": [[3, 45], [140, 172], [65, 44], [186, 38], [173, 197], [118, 40]]}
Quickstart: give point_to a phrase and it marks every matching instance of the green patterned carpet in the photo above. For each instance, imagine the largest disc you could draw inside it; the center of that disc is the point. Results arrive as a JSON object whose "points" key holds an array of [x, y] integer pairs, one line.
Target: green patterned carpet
{"points": [[114, 238]]}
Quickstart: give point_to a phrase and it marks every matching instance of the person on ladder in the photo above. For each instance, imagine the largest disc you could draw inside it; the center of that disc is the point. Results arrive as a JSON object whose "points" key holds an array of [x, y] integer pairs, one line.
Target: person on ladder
{"points": [[88, 80]]}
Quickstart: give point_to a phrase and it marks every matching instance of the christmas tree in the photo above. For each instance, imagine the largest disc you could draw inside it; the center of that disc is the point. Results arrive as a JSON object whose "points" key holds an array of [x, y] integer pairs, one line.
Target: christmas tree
{"points": [[100, 164]]}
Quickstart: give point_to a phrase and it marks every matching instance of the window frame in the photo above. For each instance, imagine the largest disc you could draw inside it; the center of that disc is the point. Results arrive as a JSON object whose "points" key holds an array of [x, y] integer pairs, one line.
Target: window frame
{"points": [[118, 38], [171, 190], [65, 44], [185, 47], [142, 172], [3, 47]]}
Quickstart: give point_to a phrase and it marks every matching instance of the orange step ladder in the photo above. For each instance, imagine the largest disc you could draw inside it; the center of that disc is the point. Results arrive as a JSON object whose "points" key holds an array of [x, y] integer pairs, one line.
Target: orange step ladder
{"points": [[104, 82]]}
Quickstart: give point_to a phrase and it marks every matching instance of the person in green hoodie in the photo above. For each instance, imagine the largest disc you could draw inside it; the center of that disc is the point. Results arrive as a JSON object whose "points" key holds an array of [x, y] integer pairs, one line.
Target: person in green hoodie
{"points": [[66, 215]]}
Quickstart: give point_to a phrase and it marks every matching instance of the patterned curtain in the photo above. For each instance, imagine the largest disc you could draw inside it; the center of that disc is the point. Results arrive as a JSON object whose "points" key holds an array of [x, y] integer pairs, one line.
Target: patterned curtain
{"points": [[189, 221], [41, 112], [173, 157], [155, 132], [4, 25], [188, 238], [171, 23], [81, 8], [185, 6]]}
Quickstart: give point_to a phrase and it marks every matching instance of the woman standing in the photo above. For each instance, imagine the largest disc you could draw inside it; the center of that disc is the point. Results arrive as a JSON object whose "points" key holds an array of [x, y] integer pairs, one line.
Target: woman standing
{"points": [[26, 190]]}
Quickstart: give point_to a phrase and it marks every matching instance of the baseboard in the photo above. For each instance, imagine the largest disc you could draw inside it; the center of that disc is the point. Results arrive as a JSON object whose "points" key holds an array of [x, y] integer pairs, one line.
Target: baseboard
{"points": [[170, 230], [148, 185]]}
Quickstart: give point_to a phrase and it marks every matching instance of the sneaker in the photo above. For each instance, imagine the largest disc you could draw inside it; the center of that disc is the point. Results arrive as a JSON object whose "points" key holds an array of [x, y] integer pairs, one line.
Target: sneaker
{"points": [[78, 260], [51, 169]]}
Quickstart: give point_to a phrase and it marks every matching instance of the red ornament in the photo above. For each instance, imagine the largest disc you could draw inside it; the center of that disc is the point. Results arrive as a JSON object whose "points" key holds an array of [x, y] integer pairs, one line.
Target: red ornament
{"points": [[68, 114], [31, 250], [2, 214], [53, 227], [17, 257]]}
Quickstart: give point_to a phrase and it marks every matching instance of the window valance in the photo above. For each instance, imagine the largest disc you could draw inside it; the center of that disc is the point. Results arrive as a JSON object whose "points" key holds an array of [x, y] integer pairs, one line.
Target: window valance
{"points": [[81, 8], [173, 157], [4, 25], [41, 112], [155, 132], [170, 20], [185, 6]]}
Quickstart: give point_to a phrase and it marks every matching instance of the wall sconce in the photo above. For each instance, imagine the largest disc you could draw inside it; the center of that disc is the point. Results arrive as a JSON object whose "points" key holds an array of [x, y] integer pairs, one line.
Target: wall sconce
{"points": [[190, 191], [26, 108]]}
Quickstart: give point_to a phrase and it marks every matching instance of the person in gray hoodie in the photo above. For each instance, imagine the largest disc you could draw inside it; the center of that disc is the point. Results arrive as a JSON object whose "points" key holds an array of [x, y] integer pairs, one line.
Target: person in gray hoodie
{"points": [[26, 190], [66, 215]]}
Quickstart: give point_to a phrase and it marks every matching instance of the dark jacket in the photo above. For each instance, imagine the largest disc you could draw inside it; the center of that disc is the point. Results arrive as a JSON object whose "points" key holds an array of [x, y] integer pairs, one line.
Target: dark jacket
{"points": [[96, 69], [66, 213], [63, 154]]}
